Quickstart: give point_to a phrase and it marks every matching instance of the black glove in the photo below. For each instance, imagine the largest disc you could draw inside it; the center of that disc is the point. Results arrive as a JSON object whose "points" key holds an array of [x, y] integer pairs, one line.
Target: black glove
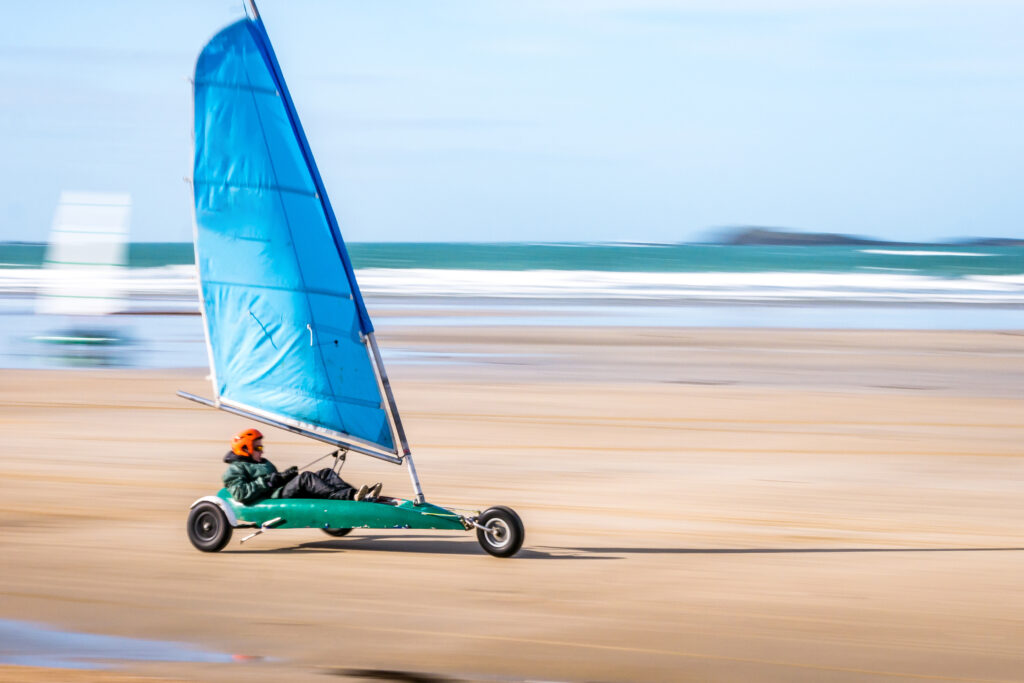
{"points": [[275, 480], [290, 473]]}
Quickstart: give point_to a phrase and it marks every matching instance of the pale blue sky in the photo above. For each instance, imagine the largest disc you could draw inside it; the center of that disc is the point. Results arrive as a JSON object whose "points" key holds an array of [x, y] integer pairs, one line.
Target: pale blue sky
{"points": [[565, 120]]}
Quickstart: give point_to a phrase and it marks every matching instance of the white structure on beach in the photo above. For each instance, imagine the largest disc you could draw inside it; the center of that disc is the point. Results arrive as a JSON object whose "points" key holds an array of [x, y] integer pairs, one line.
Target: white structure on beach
{"points": [[82, 271]]}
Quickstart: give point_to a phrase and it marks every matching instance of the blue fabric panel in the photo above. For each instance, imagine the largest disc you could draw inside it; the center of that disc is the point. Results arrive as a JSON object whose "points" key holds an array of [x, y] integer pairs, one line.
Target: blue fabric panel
{"points": [[284, 324], [263, 43]]}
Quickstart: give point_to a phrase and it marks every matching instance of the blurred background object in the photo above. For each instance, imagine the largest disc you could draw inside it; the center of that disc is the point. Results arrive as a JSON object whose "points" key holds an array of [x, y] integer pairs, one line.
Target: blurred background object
{"points": [[82, 281], [88, 248]]}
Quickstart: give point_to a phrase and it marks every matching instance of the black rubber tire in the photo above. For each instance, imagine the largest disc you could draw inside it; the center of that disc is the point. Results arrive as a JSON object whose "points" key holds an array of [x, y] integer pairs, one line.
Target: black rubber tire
{"points": [[208, 527], [510, 536], [338, 532]]}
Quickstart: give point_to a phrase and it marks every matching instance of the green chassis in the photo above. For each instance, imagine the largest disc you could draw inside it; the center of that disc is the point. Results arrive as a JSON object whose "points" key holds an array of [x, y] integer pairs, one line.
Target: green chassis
{"points": [[499, 530], [303, 513]]}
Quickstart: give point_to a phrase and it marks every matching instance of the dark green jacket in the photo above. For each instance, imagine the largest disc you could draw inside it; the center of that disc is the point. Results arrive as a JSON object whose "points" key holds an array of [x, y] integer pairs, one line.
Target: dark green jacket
{"points": [[248, 480]]}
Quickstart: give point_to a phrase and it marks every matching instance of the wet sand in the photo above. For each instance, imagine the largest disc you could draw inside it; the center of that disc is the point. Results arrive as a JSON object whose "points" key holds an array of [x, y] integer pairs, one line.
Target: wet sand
{"points": [[726, 505]]}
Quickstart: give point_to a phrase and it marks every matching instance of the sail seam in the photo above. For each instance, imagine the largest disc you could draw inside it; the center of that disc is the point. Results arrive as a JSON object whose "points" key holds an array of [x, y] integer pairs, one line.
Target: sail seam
{"points": [[320, 396], [274, 288], [247, 186], [235, 86]]}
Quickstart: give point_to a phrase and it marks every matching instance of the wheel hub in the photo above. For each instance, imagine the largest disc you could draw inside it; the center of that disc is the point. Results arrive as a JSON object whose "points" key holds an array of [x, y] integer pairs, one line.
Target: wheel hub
{"points": [[498, 532], [206, 526]]}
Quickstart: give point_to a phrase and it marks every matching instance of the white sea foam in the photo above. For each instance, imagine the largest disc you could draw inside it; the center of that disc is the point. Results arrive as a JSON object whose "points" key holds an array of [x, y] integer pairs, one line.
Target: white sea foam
{"points": [[165, 282], [692, 287], [178, 284]]}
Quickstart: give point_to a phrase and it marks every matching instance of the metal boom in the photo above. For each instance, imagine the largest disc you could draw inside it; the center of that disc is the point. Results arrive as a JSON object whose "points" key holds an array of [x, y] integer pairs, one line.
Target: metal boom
{"points": [[292, 428]]}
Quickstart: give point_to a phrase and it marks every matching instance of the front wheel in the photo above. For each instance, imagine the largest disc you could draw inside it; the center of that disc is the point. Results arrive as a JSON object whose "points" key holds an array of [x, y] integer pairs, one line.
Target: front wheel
{"points": [[503, 534], [337, 532], [208, 528]]}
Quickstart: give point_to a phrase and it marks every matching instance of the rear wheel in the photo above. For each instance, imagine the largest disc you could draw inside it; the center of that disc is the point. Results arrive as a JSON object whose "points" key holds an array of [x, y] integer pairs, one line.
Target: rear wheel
{"points": [[503, 534], [337, 532], [208, 527]]}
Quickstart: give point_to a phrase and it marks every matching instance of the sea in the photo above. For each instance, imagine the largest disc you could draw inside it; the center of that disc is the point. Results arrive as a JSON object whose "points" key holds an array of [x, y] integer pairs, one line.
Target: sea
{"points": [[928, 287]]}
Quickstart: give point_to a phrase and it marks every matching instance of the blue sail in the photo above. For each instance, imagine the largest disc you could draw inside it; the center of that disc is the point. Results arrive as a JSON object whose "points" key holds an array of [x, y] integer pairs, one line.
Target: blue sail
{"points": [[286, 325]]}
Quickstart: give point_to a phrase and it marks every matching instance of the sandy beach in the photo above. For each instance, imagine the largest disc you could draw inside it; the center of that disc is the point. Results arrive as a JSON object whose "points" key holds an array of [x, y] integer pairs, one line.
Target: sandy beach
{"points": [[700, 504]]}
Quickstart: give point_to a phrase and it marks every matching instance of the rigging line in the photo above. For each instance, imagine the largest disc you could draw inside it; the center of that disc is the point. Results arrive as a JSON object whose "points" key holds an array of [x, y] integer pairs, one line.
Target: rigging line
{"points": [[336, 453]]}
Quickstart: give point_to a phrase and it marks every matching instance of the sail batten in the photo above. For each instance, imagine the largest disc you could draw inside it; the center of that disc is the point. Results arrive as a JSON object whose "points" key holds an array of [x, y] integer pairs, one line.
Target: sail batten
{"points": [[237, 86], [321, 292], [286, 324], [273, 188]]}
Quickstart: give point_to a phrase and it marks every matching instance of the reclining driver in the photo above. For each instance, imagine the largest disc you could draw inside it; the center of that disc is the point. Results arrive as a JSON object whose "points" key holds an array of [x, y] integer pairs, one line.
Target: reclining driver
{"points": [[250, 477]]}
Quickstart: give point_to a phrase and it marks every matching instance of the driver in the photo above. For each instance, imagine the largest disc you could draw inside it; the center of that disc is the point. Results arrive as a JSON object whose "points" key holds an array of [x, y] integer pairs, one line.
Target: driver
{"points": [[250, 477]]}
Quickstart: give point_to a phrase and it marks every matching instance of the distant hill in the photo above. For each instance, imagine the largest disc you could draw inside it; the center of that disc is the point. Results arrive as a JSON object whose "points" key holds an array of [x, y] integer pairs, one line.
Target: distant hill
{"points": [[780, 237], [766, 236]]}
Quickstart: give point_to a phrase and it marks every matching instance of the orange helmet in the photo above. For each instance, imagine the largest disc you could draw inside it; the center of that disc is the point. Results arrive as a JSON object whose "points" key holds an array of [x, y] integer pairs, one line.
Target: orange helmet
{"points": [[244, 443]]}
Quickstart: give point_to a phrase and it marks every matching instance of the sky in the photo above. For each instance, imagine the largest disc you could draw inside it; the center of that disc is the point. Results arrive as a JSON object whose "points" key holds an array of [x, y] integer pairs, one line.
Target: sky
{"points": [[555, 120]]}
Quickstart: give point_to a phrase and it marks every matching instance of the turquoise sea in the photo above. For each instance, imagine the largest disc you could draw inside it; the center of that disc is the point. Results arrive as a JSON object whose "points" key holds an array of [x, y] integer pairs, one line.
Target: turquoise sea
{"points": [[633, 285], [943, 261]]}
